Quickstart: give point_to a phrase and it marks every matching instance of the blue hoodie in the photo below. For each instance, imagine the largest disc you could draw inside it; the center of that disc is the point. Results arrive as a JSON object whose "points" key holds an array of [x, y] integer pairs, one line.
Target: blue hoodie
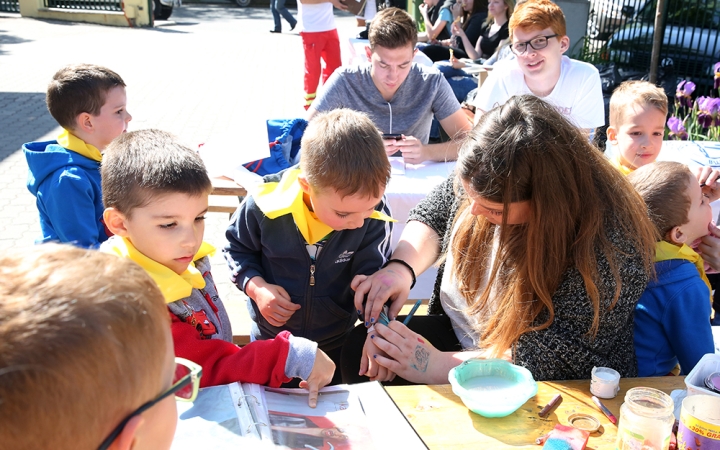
{"points": [[68, 194], [672, 320]]}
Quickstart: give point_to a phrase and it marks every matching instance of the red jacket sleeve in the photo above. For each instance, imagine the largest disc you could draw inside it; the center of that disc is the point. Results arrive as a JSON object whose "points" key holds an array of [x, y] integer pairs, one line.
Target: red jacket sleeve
{"points": [[261, 362]]}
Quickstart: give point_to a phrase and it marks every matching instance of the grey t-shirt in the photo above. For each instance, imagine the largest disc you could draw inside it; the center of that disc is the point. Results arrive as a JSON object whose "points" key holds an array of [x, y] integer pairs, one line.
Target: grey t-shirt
{"points": [[423, 93]]}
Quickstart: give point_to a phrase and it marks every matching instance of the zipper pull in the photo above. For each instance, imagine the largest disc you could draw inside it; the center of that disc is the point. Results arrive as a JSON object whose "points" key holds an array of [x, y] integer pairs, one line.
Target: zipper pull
{"points": [[312, 274]]}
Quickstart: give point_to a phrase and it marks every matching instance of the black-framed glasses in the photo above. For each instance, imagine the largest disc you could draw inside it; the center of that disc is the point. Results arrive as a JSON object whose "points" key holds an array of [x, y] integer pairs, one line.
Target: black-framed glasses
{"points": [[537, 43], [185, 388]]}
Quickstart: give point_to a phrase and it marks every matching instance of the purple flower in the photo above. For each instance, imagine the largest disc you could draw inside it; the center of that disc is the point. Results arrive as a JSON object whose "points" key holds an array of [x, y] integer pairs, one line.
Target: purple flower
{"points": [[708, 105], [677, 129], [685, 87], [705, 120]]}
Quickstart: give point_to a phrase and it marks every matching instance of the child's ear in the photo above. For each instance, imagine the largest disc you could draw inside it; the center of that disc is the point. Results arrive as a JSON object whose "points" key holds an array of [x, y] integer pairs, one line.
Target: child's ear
{"points": [[564, 44], [84, 122], [127, 437], [115, 221], [676, 236], [611, 134], [304, 185]]}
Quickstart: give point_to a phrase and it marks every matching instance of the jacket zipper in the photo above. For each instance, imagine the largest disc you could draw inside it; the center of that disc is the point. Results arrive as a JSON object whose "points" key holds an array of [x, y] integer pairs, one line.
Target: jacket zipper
{"points": [[312, 274]]}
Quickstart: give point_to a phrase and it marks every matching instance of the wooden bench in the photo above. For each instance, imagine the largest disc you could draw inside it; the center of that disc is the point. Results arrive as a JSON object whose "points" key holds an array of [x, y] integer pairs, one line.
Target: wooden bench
{"points": [[224, 196]]}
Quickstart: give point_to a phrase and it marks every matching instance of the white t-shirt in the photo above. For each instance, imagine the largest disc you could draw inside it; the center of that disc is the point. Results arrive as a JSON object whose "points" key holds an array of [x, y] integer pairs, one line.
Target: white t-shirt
{"points": [[577, 94], [466, 327], [315, 18]]}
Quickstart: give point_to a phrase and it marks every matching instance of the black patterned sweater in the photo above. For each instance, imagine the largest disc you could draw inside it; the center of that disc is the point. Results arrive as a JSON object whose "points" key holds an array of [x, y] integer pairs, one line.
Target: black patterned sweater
{"points": [[563, 351]]}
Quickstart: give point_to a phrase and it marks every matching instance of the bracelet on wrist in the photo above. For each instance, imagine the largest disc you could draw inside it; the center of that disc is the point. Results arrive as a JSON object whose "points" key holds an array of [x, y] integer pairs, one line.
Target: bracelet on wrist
{"points": [[400, 261]]}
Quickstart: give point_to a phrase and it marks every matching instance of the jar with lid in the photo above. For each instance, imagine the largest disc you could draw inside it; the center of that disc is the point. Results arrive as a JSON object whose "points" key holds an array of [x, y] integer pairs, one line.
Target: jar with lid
{"points": [[646, 420]]}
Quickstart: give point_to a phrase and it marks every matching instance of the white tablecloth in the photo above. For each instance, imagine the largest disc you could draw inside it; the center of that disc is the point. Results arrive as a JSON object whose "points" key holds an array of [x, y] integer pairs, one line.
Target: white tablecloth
{"points": [[404, 191]]}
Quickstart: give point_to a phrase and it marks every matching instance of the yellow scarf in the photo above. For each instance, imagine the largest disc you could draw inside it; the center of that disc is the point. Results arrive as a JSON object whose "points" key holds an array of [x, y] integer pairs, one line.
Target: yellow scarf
{"points": [[615, 161], [173, 286], [286, 197], [665, 251], [74, 143]]}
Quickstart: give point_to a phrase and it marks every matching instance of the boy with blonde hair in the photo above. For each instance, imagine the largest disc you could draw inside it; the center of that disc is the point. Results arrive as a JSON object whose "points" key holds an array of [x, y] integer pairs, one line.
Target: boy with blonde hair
{"points": [[156, 197], [638, 110], [672, 317], [89, 103], [296, 244], [85, 353]]}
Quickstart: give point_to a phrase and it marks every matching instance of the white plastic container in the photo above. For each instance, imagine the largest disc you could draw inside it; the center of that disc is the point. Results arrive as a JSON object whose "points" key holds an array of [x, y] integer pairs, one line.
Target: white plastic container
{"points": [[695, 380]]}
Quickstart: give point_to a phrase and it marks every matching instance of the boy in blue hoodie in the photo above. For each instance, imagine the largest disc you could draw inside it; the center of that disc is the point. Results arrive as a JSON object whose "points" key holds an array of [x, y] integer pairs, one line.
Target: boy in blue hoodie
{"points": [[672, 317], [295, 245], [89, 103]]}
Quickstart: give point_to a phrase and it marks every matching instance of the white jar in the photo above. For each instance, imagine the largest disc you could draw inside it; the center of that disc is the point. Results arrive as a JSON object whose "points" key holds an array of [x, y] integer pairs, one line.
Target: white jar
{"points": [[646, 420]]}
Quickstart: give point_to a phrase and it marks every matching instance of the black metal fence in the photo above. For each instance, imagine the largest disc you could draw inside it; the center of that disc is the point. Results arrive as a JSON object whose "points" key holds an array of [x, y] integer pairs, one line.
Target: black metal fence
{"points": [[10, 5], [90, 5], [622, 31]]}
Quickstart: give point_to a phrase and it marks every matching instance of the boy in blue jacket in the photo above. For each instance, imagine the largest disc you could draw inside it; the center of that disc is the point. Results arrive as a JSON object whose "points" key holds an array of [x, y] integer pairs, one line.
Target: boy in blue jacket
{"points": [[295, 245], [672, 317], [89, 103]]}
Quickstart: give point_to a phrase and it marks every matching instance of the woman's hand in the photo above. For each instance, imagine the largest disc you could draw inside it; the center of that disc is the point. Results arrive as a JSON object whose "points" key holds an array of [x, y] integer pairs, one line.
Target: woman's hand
{"points": [[456, 63], [708, 179], [423, 10], [709, 247], [368, 366], [391, 283], [457, 30], [457, 10], [409, 354]]}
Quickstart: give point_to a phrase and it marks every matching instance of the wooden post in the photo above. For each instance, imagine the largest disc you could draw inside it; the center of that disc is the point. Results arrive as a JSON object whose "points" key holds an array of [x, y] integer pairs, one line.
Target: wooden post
{"points": [[659, 31]]}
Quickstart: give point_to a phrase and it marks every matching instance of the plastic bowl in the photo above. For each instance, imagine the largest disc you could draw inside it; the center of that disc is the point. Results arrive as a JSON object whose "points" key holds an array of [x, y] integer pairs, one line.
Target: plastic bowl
{"points": [[492, 387]]}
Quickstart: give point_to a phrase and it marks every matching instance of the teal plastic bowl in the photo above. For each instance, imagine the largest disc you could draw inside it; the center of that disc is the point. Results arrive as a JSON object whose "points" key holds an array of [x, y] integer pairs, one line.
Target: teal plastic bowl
{"points": [[492, 387]]}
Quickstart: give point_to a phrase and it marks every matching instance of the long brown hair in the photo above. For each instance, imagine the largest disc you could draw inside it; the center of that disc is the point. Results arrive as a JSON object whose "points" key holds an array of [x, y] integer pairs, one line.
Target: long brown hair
{"points": [[526, 151]]}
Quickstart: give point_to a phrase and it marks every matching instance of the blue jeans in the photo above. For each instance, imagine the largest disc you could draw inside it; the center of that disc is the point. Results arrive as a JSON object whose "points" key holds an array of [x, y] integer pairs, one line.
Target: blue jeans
{"points": [[278, 7]]}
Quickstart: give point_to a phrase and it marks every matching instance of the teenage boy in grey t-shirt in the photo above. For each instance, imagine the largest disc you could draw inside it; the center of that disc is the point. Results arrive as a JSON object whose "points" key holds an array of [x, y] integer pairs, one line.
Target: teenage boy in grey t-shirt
{"points": [[400, 96]]}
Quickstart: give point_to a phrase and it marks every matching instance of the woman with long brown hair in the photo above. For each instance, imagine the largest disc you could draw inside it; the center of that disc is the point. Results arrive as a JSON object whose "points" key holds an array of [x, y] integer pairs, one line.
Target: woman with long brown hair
{"points": [[545, 250]]}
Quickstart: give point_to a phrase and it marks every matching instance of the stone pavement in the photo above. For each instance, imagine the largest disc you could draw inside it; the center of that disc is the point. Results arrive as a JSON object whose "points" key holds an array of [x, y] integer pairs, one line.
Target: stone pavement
{"points": [[207, 71]]}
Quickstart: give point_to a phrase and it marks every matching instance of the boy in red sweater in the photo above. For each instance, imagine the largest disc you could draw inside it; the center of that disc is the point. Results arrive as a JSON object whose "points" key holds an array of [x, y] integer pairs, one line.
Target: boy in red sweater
{"points": [[155, 192]]}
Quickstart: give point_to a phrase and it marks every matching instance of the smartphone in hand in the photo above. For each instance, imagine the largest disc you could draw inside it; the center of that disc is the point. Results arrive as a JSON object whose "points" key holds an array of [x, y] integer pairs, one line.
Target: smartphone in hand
{"points": [[396, 137]]}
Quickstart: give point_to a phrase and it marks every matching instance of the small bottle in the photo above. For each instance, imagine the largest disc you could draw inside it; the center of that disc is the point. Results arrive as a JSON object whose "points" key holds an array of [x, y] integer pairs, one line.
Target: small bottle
{"points": [[646, 420]]}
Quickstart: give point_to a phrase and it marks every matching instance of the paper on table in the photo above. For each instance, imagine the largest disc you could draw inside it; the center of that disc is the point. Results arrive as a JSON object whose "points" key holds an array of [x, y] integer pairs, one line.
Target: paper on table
{"points": [[224, 153]]}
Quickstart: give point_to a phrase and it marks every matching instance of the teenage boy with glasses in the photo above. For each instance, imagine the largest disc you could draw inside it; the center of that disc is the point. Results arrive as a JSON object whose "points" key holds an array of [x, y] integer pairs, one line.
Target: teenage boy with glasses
{"points": [[85, 353], [537, 30]]}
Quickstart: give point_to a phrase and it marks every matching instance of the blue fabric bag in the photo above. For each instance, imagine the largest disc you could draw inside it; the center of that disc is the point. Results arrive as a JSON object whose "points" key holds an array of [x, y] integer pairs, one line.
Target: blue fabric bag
{"points": [[284, 149]]}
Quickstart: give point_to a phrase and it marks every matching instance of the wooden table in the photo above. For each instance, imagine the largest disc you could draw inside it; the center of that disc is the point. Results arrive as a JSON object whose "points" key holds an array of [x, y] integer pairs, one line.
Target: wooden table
{"points": [[443, 421]]}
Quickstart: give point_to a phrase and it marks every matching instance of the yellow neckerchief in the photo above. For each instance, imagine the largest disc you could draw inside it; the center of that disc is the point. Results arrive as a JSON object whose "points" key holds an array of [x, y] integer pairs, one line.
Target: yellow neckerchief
{"points": [[173, 286], [74, 143], [665, 251], [615, 161], [286, 197]]}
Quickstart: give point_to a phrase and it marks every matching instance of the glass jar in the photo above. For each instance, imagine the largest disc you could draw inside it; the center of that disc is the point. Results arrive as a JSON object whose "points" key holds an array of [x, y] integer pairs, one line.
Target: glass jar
{"points": [[646, 420]]}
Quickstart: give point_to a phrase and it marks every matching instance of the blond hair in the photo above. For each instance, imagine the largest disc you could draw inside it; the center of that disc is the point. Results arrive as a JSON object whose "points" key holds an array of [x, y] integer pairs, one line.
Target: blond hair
{"points": [[342, 150], [82, 344], [663, 185], [636, 92], [526, 150]]}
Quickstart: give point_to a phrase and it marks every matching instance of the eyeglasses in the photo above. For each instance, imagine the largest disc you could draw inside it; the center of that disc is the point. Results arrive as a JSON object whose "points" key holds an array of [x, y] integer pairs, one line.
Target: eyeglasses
{"points": [[537, 43], [185, 388]]}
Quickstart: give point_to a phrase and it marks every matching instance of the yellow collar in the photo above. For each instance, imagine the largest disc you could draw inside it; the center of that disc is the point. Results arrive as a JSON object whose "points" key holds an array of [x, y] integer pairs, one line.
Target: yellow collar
{"points": [[615, 161], [286, 197], [74, 143], [665, 251], [173, 286]]}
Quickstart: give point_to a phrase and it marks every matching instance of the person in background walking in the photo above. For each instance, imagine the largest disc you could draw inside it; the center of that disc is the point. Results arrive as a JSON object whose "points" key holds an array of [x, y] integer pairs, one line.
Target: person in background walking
{"points": [[278, 7]]}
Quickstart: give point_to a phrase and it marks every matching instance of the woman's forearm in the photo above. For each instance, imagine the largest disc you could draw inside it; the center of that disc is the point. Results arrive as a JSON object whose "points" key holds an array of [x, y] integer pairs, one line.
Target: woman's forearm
{"points": [[419, 246]]}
